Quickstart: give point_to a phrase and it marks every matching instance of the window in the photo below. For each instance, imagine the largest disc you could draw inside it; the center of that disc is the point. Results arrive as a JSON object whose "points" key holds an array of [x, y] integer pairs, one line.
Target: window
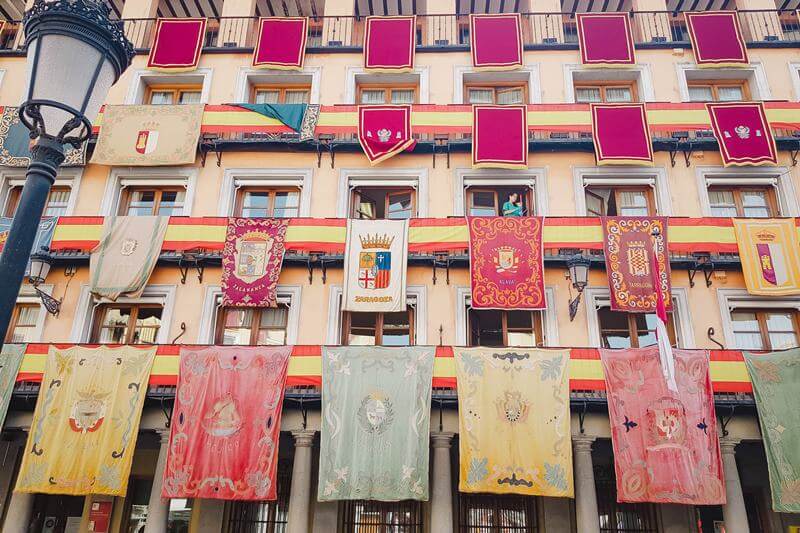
{"points": [[505, 328], [175, 94], [280, 94], [364, 516], [378, 203], [127, 324], [754, 202], [264, 202], [252, 325], [619, 201], [718, 91], [267, 516], [23, 323], [376, 94], [141, 201], [378, 329], [621, 517], [504, 94], [56, 205], [489, 201], [619, 329], [586, 93], [759, 329], [495, 513]]}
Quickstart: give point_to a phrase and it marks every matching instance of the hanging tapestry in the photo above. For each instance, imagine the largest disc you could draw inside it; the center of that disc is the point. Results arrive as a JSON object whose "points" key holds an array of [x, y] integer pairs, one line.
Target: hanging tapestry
{"points": [[44, 235], [621, 134], [717, 39], [15, 143], [776, 387], [389, 44], [375, 260], [143, 135], [177, 44], [628, 246], [127, 253], [496, 41], [10, 360], [374, 439], [500, 136], [301, 118], [281, 43], [384, 130], [743, 133], [251, 261], [605, 39], [513, 420], [506, 264], [770, 255], [666, 447], [226, 423], [84, 429]]}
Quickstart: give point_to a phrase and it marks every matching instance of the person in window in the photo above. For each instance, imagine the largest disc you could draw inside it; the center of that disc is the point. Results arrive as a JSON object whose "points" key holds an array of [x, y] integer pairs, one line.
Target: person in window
{"points": [[513, 207]]}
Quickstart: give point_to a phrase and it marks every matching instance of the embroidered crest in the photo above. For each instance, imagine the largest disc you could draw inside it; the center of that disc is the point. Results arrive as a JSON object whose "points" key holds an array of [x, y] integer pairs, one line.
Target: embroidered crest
{"points": [[666, 420], [742, 131], [384, 135], [512, 406], [253, 250], [506, 260], [88, 411], [128, 247], [375, 266], [223, 418], [638, 263], [376, 413], [146, 142]]}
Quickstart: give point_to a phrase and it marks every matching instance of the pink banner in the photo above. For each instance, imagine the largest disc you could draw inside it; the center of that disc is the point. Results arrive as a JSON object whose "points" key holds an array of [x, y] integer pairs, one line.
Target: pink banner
{"points": [[500, 136], [496, 41], [384, 130], [666, 447], [251, 261], [621, 134], [390, 43], [743, 133], [605, 39], [717, 39], [177, 44], [281, 43], [226, 423]]}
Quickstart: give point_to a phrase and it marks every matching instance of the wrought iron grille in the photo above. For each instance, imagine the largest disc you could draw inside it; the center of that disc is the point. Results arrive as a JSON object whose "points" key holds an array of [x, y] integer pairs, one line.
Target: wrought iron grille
{"points": [[363, 516], [622, 517], [489, 513], [267, 516]]}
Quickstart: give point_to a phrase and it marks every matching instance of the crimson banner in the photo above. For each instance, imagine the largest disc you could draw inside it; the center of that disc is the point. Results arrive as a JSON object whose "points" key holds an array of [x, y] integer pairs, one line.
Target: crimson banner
{"points": [[226, 423], [505, 259], [496, 41], [628, 246], [621, 134], [251, 261], [605, 39], [743, 133], [500, 136], [384, 130], [389, 44], [281, 43], [177, 44], [666, 447], [717, 39]]}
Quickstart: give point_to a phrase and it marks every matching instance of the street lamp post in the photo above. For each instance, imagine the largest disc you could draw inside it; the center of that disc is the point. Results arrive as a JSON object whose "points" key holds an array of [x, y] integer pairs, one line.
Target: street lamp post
{"points": [[75, 54]]}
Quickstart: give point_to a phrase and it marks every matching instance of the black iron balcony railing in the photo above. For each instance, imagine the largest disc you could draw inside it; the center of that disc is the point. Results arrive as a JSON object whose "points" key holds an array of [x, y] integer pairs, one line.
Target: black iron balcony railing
{"points": [[651, 29]]}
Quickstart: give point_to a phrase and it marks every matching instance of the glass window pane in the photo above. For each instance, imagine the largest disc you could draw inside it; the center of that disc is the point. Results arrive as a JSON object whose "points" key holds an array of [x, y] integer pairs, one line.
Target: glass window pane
{"points": [[701, 93], [255, 204], [190, 97], [396, 329], [403, 96], [754, 204], [585, 95], [57, 202], [482, 204], [730, 94], [287, 204], [746, 331], [619, 94], [480, 96], [362, 329], [142, 203], [722, 203], [171, 203], [614, 329], [267, 96], [373, 96], [114, 327], [633, 203], [148, 322], [297, 96], [274, 317], [400, 205], [510, 96], [486, 328], [161, 97], [237, 324], [25, 324]]}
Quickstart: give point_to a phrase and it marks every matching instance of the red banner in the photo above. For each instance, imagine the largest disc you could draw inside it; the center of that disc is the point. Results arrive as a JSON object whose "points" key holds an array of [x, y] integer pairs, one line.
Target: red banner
{"points": [[605, 39], [717, 39], [384, 130], [390, 43], [505, 258], [226, 423], [496, 41], [621, 134], [177, 44], [281, 43], [666, 447], [743, 133], [500, 136], [628, 246], [251, 261]]}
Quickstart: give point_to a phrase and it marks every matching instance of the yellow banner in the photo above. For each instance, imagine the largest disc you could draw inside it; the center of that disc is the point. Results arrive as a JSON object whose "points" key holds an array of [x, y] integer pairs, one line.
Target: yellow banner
{"points": [[770, 255]]}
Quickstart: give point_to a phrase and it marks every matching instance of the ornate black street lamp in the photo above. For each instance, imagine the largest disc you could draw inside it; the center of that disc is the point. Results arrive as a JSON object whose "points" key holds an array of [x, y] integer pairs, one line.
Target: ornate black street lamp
{"points": [[75, 54], [578, 266]]}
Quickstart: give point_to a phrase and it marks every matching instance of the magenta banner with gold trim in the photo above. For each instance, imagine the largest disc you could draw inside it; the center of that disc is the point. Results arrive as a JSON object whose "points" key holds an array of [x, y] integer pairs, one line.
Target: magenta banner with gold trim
{"points": [[500, 136], [251, 261], [628, 246], [505, 258], [177, 44], [384, 130], [717, 39], [666, 446], [281, 43], [743, 133], [621, 134], [226, 423], [496, 41], [390, 43], [605, 39]]}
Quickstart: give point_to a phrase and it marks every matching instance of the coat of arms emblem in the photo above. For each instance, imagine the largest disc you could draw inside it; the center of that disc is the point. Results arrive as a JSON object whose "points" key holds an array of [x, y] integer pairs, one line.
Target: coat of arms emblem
{"points": [[666, 421], [253, 250], [375, 262], [128, 247], [88, 412], [638, 263], [146, 141], [506, 260]]}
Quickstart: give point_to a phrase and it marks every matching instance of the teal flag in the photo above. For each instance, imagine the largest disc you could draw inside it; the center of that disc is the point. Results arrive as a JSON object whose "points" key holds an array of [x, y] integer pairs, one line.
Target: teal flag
{"points": [[376, 406], [776, 387], [10, 359], [290, 115]]}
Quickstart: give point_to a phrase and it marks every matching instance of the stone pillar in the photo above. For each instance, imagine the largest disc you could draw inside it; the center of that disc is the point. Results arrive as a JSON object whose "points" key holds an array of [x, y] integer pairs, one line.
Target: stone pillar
{"points": [[586, 514], [19, 513], [158, 507], [300, 495], [733, 512], [442, 490]]}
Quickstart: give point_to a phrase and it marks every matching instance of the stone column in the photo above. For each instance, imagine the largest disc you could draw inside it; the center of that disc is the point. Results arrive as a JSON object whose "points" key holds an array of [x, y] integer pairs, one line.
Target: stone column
{"points": [[20, 506], [300, 495], [158, 507], [586, 515], [442, 490], [733, 512]]}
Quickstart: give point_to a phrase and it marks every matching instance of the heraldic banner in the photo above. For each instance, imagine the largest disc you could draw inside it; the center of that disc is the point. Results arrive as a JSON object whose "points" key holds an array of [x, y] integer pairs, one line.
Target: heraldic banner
{"points": [[86, 421], [513, 419], [743, 133], [226, 423], [10, 359], [126, 255], [384, 131], [770, 255], [375, 260], [251, 261], [776, 387], [15, 141], [143, 135], [666, 447], [628, 245], [505, 259], [44, 235], [374, 440]]}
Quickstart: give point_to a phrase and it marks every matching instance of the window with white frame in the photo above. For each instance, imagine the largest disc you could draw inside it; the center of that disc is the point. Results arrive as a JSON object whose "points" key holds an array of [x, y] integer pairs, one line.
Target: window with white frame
{"points": [[275, 192], [152, 88], [621, 192], [755, 323], [386, 88], [403, 328], [502, 88], [500, 192], [144, 192], [390, 194], [751, 193], [722, 84], [60, 201], [259, 86], [27, 319], [588, 85]]}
